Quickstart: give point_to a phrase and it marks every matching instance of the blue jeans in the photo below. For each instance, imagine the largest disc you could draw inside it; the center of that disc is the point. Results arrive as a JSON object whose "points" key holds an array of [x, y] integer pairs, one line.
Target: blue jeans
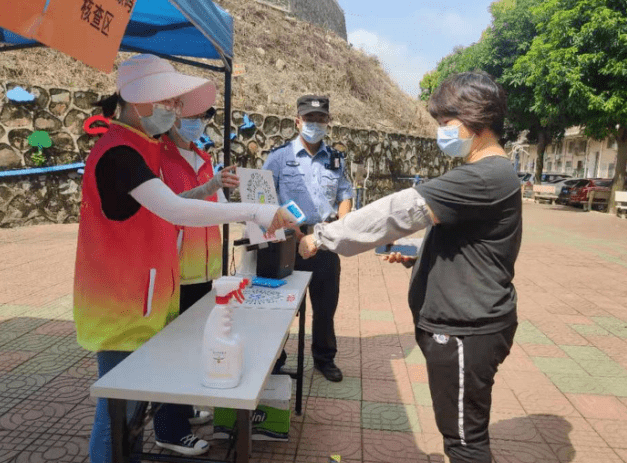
{"points": [[170, 421]]}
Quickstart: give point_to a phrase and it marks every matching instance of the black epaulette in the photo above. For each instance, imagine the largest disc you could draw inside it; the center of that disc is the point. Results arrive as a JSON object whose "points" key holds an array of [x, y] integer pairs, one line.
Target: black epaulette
{"points": [[282, 146]]}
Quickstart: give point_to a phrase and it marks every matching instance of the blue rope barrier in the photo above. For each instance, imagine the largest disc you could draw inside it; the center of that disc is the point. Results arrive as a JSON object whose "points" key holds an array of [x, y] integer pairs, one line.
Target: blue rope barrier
{"points": [[41, 170]]}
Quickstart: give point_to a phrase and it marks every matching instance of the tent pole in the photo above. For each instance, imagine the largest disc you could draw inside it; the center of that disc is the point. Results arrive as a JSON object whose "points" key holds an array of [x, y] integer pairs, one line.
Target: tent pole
{"points": [[227, 158], [176, 59], [21, 46]]}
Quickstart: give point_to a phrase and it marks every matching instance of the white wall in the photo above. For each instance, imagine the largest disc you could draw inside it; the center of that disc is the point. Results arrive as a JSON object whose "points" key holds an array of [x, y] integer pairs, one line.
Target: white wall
{"points": [[565, 158], [604, 166]]}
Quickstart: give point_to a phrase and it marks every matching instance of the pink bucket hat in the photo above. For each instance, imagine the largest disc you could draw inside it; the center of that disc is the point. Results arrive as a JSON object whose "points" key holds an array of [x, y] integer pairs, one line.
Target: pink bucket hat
{"points": [[148, 79]]}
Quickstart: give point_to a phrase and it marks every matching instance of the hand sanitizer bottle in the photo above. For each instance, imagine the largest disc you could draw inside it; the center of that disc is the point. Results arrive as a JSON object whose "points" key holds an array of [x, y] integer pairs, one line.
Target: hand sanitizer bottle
{"points": [[222, 350]]}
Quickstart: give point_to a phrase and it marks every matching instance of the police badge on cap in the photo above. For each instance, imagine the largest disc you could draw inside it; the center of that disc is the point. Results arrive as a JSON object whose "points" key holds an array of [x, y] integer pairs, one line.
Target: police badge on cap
{"points": [[312, 104]]}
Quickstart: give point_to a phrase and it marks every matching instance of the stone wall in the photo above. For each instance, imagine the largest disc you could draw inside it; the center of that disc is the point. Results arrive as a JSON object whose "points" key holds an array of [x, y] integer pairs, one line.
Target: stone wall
{"points": [[324, 13], [59, 112], [391, 159], [54, 197]]}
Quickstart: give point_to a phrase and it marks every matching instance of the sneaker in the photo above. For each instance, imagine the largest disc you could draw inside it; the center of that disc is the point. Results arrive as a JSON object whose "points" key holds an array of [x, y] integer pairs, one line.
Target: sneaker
{"points": [[200, 417], [189, 445]]}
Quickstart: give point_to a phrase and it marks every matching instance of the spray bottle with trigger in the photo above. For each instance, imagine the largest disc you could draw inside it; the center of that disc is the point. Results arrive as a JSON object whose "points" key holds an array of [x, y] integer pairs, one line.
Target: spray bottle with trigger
{"points": [[222, 350]]}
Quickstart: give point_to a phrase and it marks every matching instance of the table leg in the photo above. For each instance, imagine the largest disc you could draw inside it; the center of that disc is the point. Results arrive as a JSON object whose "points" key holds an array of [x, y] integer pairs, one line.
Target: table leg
{"points": [[301, 359], [243, 446], [119, 443]]}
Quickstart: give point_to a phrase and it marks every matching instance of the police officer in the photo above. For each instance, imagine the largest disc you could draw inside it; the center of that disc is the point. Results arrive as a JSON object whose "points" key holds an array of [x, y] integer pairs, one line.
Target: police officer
{"points": [[313, 175]]}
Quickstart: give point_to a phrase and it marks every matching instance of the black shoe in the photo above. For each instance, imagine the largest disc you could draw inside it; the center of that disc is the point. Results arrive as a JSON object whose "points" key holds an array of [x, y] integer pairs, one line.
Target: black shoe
{"points": [[330, 371], [188, 445]]}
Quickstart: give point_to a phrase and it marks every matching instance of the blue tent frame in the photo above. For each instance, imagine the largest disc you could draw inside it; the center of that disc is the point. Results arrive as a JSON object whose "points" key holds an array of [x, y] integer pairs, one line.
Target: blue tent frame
{"points": [[175, 30]]}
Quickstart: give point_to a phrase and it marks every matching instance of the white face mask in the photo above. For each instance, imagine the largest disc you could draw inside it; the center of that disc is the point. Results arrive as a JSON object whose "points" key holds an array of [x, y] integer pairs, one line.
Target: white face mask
{"points": [[313, 132], [190, 130], [450, 143], [159, 122]]}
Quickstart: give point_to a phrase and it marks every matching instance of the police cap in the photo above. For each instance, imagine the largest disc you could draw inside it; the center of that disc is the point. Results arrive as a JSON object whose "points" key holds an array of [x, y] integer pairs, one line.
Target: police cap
{"points": [[312, 104]]}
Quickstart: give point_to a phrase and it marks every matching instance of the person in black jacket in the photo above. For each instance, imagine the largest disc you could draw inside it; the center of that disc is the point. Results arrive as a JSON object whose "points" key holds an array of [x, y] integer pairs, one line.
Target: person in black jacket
{"points": [[461, 292]]}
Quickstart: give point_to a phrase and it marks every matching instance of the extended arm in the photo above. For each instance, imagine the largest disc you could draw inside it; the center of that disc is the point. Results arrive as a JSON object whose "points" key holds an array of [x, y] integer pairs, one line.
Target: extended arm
{"points": [[381, 222], [155, 196]]}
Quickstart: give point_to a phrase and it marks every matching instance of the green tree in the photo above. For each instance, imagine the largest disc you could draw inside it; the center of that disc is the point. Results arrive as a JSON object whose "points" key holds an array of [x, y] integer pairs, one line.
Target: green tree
{"points": [[577, 68], [462, 59], [508, 38]]}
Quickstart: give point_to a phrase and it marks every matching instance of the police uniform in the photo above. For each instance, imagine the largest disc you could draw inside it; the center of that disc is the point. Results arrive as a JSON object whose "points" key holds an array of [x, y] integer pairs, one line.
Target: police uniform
{"points": [[318, 184]]}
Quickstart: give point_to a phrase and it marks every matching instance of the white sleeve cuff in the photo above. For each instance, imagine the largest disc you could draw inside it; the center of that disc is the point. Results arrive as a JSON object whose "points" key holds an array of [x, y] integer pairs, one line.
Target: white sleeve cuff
{"points": [[265, 214]]}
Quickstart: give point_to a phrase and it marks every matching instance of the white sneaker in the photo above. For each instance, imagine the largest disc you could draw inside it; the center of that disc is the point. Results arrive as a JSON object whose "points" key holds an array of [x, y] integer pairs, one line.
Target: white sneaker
{"points": [[201, 417], [189, 445]]}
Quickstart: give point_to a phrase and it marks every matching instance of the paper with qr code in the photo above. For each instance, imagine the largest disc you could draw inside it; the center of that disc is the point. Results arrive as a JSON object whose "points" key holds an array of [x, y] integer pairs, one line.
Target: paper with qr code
{"points": [[256, 297], [257, 186]]}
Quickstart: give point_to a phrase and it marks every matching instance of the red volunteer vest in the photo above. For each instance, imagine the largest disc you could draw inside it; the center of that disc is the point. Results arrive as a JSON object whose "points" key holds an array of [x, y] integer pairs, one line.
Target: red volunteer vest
{"points": [[200, 249], [126, 284]]}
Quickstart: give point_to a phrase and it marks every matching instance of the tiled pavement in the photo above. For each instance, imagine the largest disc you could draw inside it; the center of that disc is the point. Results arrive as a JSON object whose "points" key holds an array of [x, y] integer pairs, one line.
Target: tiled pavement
{"points": [[560, 397]]}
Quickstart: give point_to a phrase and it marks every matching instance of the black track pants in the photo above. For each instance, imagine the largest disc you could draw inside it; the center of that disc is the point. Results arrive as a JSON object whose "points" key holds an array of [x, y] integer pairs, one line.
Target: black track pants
{"points": [[461, 374]]}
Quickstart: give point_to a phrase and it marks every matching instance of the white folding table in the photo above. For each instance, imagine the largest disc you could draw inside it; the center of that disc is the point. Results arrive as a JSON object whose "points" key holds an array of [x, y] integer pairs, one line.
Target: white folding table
{"points": [[167, 368]]}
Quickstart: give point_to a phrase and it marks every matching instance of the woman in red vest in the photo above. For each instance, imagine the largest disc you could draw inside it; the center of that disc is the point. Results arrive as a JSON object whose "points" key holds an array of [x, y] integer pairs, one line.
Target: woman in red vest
{"points": [[126, 285], [185, 168]]}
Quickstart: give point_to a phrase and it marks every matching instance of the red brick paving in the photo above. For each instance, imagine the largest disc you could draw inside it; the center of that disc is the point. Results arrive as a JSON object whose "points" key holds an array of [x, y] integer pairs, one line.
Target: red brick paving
{"points": [[572, 285]]}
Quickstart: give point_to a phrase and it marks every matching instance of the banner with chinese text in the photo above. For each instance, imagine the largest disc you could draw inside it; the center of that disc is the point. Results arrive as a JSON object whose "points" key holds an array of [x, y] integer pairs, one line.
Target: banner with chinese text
{"points": [[88, 30]]}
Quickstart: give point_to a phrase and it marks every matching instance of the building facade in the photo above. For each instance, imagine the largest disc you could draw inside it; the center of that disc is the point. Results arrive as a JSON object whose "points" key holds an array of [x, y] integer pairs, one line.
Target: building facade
{"points": [[575, 155]]}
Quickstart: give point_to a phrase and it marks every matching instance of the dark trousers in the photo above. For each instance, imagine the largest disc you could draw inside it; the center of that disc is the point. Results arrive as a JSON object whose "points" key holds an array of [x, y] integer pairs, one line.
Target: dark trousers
{"points": [[324, 292], [461, 374], [190, 294]]}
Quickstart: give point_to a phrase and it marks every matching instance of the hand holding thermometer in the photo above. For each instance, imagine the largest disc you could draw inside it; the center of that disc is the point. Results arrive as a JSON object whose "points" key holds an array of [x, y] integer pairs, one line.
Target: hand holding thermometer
{"points": [[293, 209], [294, 212]]}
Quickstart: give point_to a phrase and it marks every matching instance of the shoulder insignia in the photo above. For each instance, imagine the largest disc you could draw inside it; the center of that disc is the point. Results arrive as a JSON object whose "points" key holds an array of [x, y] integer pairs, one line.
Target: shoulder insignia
{"points": [[281, 146]]}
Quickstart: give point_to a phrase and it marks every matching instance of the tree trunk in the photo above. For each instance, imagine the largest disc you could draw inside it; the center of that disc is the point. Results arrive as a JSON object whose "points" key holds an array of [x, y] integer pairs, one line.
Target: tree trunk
{"points": [[621, 164], [543, 141]]}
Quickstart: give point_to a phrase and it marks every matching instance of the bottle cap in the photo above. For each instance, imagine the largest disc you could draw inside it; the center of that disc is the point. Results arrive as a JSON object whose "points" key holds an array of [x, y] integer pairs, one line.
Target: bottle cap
{"points": [[227, 286]]}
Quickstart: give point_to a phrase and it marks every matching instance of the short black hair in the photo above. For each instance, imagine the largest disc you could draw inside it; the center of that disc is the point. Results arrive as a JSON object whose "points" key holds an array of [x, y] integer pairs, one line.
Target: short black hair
{"points": [[475, 98]]}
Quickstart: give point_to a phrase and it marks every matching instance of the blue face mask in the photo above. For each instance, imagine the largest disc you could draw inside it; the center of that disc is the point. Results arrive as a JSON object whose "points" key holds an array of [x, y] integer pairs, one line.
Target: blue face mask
{"points": [[313, 132], [450, 143], [159, 122], [191, 129]]}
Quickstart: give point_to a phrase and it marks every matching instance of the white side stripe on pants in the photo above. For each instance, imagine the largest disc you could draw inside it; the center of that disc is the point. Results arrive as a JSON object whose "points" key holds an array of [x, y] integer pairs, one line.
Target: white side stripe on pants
{"points": [[460, 400]]}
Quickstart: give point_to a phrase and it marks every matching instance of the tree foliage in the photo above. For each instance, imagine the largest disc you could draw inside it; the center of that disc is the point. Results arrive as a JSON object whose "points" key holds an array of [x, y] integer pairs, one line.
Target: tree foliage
{"points": [[508, 38], [562, 62], [576, 69], [462, 59]]}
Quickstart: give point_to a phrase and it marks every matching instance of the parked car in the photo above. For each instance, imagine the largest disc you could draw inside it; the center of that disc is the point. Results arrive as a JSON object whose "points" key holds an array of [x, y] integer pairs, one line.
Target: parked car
{"points": [[546, 177], [566, 186], [579, 195], [524, 176], [550, 191]]}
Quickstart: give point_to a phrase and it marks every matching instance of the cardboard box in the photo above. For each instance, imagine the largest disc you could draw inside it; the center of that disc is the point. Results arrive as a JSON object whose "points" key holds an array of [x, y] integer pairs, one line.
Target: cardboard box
{"points": [[271, 419]]}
